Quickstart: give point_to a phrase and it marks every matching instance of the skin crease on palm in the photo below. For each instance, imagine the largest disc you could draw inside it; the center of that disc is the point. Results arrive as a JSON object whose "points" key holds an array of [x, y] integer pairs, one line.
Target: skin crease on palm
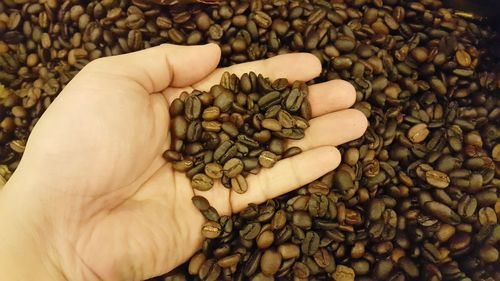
{"points": [[93, 199]]}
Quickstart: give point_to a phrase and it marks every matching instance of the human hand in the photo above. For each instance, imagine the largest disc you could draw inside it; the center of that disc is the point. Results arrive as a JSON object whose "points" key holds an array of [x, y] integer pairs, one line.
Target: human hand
{"points": [[93, 199]]}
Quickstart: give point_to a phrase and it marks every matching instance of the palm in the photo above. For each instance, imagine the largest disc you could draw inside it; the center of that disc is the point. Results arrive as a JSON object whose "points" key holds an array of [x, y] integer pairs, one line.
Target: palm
{"points": [[124, 211]]}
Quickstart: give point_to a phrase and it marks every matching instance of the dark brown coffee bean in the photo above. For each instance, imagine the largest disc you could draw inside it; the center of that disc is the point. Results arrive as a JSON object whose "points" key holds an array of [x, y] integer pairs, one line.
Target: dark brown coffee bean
{"points": [[233, 167], [267, 159], [222, 149], [230, 129], [202, 182], [262, 19], [248, 141], [195, 263], [183, 165], [211, 113], [265, 239], [286, 119], [442, 212], [209, 271], [310, 244], [192, 107], [292, 151], [343, 273], [250, 231], [270, 98], [211, 229], [276, 146], [224, 101], [271, 124], [200, 202], [437, 179], [294, 100], [194, 131], [172, 156], [229, 261], [270, 262], [408, 266], [302, 219], [211, 126], [345, 44], [211, 214], [214, 170], [239, 184], [179, 127]]}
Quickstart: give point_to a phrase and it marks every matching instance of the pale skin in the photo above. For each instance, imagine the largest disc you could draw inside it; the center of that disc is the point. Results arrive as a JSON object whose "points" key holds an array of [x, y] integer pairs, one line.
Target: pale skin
{"points": [[93, 199]]}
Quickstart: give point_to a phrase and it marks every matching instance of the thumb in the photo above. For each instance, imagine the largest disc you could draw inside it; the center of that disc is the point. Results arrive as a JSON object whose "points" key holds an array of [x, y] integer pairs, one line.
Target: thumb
{"points": [[162, 66]]}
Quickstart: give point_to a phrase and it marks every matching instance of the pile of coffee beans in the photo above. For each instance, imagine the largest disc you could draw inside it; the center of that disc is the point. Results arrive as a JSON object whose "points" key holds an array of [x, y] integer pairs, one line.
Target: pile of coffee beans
{"points": [[416, 198], [236, 128]]}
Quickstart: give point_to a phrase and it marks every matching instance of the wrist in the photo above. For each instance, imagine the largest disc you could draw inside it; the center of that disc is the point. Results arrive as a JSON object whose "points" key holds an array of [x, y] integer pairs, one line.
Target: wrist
{"points": [[25, 251]]}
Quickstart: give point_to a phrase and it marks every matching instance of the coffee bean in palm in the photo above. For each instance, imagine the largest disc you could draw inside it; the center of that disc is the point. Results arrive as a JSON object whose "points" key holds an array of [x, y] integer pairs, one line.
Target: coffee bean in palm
{"points": [[177, 107], [209, 271], [224, 100], [179, 127], [276, 146], [239, 184], [183, 165], [172, 156], [211, 214], [214, 170], [271, 124], [200, 202], [267, 159], [233, 167], [192, 107], [195, 263], [202, 182], [292, 151], [211, 229]]}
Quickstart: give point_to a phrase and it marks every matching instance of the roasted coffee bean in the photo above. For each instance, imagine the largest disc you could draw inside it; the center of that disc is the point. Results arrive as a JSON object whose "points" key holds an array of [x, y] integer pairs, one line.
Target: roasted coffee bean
{"points": [[442, 212], [183, 165], [424, 76], [267, 159], [265, 239], [437, 179], [211, 229], [211, 113], [310, 244], [343, 273], [201, 203], [179, 127], [250, 231], [270, 262], [214, 170], [202, 182], [239, 184], [211, 214], [195, 263], [224, 100], [192, 107], [271, 124], [209, 271], [292, 151], [171, 155], [233, 167]]}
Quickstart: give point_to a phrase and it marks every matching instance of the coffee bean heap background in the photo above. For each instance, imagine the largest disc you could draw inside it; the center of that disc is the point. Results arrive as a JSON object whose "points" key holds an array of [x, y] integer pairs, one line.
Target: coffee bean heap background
{"points": [[416, 198], [236, 128]]}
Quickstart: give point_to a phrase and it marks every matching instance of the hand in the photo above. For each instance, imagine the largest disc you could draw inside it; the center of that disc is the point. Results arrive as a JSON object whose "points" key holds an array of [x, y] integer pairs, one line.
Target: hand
{"points": [[93, 199]]}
